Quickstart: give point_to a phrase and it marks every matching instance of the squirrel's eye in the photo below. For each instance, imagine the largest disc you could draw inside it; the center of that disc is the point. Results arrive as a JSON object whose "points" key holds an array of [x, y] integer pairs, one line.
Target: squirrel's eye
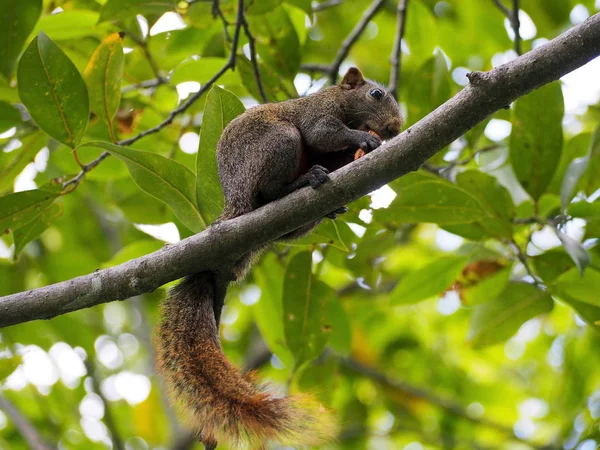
{"points": [[377, 93]]}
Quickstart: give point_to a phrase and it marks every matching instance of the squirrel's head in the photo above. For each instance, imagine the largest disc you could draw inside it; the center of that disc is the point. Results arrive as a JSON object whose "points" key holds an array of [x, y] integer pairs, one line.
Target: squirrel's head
{"points": [[371, 106]]}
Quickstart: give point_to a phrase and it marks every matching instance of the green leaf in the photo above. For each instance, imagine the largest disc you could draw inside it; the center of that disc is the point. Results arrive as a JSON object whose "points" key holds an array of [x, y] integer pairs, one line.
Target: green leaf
{"points": [[221, 108], [576, 251], [103, 78], [494, 322], [53, 91], [123, 9], [591, 180], [432, 89], [588, 312], [20, 208], [35, 228], [16, 22], [574, 172], [493, 197], [73, 24], [9, 116], [421, 31], [202, 70], [304, 5], [338, 323], [258, 7], [424, 198], [268, 311], [428, 281], [336, 233], [134, 250], [277, 42], [304, 309], [551, 264], [167, 180], [13, 163], [576, 147], [276, 87], [585, 210], [8, 366], [536, 140], [583, 288], [487, 289]]}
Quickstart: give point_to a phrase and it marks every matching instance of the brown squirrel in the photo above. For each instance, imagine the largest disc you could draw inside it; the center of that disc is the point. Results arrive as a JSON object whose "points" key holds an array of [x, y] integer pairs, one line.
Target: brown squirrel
{"points": [[264, 154]]}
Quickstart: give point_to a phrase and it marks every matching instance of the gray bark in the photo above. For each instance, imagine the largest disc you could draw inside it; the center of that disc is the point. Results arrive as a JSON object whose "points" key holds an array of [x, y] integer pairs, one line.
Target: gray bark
{"points": [[218, 245]]}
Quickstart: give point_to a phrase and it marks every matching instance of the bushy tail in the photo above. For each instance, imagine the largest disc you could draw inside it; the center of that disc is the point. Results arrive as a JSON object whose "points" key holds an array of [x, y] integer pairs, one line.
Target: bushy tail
{"points": [[219, 402]]}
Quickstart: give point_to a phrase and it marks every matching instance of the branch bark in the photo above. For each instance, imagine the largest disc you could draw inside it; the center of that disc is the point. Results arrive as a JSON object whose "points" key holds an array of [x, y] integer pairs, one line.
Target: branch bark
{"points": [[223, 242]]}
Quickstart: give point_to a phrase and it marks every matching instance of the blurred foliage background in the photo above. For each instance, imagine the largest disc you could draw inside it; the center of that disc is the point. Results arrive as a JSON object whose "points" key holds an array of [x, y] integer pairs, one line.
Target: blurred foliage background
{"points": [[456, 308]]}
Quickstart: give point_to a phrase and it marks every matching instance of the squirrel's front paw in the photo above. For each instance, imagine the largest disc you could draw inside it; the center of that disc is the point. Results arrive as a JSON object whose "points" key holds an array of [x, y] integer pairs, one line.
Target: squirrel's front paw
{"points": [[317, 175], [368, 141]]}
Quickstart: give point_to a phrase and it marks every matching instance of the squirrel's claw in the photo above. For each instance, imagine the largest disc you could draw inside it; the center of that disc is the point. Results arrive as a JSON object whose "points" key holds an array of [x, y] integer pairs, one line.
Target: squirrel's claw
{"points": [[317, 175], [337, 212]]}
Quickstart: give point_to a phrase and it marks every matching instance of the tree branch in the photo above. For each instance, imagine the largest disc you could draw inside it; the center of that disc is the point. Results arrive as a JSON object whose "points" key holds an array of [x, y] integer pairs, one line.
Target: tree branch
{"points": [[223, 242], [146, 84], [29, 433], [109, 420], [254, 60], [516, 24], [332, 69], [396, 58], [324, 5], [449, 405], [230, 64], [513, 17]]}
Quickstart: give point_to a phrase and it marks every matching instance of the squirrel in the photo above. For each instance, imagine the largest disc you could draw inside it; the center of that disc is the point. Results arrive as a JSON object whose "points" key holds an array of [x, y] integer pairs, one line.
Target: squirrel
{"points": [[264, 154]]}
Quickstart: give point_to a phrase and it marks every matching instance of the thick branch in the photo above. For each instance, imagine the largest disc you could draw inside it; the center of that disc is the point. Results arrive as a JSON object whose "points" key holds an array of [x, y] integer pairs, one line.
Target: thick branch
{"points": [[218, 245]]}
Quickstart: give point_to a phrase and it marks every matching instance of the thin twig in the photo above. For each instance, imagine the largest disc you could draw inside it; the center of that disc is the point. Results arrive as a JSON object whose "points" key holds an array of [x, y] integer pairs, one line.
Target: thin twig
{"points": [[513, 17], [84, 169], [26, 429], [516, 25], [448, 405], [217, 12], [502, 8], [396, 58], [324, 68], [461, 162], [108, 417], [230, 64], [332, 69], [522, 257], [324, 5], [144, 85], [352, 38], [144, 46], [254, 60]]}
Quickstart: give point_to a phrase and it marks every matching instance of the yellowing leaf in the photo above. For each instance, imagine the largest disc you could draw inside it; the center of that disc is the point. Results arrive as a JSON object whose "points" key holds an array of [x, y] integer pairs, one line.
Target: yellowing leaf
{"points": [[103, 78]]}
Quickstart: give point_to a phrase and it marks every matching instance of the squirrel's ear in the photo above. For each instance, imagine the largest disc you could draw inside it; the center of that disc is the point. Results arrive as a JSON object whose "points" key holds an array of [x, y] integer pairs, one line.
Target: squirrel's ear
{"points": [[352, 79]]}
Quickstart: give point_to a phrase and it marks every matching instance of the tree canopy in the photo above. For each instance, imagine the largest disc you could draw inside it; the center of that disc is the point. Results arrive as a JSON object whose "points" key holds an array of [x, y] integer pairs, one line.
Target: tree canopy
{"points": [[456, 307]]}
